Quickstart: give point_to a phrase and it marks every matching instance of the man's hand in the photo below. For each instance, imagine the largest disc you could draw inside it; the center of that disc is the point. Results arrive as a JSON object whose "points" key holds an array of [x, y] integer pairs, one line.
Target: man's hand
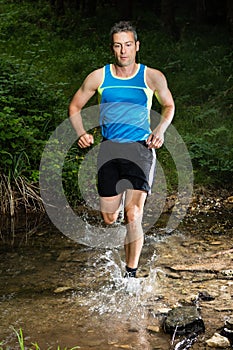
{"points": [[85, 140], [155, 140]]}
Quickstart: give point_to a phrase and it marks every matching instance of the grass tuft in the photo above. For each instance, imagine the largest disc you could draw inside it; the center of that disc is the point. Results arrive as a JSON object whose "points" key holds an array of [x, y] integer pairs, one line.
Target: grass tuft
{"points": [[35, 346]]}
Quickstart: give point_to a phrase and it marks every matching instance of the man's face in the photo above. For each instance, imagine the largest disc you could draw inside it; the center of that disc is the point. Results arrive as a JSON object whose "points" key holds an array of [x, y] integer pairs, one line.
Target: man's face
{"points": [[124, 48]]}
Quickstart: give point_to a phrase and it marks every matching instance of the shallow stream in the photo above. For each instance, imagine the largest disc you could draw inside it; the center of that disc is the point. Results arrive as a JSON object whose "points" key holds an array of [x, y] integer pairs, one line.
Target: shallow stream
{"points": [[68, 294]]}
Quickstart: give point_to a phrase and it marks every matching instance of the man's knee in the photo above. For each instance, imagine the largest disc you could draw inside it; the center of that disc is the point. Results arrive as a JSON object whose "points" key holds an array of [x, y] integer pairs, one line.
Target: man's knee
{"points": [[109, 218], [133, 214]]}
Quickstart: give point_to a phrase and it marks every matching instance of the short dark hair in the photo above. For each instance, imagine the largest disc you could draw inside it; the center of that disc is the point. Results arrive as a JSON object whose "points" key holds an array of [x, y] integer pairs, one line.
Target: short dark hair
{"points": [[123, 26]]}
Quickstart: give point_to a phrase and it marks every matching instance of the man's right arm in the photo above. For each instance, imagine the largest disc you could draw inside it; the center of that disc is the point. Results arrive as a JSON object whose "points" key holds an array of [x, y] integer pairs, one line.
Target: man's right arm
{"points": [[81, 97]]}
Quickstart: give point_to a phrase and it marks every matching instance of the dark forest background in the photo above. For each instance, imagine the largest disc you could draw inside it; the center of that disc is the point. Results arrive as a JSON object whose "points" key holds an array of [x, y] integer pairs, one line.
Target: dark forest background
{"points": [[47, 49], [210, 12]]}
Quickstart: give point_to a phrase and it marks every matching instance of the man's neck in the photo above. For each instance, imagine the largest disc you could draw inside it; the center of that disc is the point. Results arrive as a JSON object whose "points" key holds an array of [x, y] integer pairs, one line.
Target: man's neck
{"points": [[125, 71]]}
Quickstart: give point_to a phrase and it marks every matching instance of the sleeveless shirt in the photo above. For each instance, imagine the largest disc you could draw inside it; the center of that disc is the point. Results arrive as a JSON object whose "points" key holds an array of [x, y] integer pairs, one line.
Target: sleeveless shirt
{"points": [[125, 105]]}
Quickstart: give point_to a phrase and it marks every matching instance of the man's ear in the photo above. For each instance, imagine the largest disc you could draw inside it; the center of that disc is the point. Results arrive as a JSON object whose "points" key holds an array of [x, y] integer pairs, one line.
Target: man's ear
{"points": [[137, 45]]}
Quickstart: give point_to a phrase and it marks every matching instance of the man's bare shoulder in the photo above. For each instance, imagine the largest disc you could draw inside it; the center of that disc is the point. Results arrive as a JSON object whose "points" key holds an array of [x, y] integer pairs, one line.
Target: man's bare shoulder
{"points": [[94, 78], [155, 78], [153, 71]]}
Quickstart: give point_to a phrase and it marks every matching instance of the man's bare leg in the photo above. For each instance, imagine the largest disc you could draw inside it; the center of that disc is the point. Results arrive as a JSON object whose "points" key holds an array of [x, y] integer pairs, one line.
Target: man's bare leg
{"points": [[134, 204], [110, 208]]}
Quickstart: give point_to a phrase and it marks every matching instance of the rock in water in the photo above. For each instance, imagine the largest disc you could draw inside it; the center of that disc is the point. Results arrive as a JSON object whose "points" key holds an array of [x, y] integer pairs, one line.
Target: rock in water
{"points": [[184, 320], [229, 323], [186, 343], [218, 341], [227, 330]]}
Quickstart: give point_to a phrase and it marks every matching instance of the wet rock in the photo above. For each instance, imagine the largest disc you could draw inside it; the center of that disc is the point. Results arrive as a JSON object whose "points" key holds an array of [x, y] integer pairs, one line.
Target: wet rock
{"points": [[186, 343], [216, 242], [225, 252], [162, 311], [228, 273], [210, 265], [133, 330], [122, 346], [189, 300], [62, 289], [154, 329], [184, 320], [218, 341], [227, 330], [205, 296], [229, 322], [227, 333]]}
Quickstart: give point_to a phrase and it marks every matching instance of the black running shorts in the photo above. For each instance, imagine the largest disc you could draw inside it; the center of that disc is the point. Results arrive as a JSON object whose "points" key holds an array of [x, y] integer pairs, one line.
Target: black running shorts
{"points": [[123, 166]]}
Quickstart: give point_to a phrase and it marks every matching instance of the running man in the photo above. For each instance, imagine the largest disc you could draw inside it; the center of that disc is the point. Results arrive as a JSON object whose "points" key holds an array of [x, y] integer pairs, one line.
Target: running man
{"points": [[126, 160]]}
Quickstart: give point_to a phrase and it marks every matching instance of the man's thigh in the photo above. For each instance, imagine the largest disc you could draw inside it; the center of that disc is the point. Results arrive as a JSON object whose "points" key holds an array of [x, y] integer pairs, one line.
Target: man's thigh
{"points": [[135, 200], [110, 205]]}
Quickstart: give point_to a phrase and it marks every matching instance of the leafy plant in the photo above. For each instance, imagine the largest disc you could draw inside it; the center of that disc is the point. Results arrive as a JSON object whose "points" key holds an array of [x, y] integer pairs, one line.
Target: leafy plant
{"points": [[27, 116], [41, 70]]}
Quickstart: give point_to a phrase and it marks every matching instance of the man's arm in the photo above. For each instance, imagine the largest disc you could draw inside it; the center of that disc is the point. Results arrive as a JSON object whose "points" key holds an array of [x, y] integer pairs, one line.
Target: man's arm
{"points": [[81, 97], [157, 82]]}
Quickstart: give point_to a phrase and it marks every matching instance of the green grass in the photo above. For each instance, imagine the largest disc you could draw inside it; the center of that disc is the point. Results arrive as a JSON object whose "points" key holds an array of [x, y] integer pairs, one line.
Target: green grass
{"points": [[35, 346]]}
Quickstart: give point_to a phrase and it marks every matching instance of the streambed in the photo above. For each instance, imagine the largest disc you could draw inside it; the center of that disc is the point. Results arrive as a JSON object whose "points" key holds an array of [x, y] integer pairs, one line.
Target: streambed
{"points": [[64, 293]]}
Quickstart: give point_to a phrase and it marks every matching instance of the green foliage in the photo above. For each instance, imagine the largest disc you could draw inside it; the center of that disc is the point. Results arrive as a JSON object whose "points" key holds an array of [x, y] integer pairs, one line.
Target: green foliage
{"points": [[27, 115], [72, 165], [46, 57], [207, 131], [212, 156]]}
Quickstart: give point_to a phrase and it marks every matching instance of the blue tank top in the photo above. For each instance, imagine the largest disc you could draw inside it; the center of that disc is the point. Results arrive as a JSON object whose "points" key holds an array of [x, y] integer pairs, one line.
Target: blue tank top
{"points": [[125, 105]]}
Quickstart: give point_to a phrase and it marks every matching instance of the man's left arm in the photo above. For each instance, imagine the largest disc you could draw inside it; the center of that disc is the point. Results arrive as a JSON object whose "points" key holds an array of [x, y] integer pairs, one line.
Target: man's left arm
{"points": [[165, 99]]}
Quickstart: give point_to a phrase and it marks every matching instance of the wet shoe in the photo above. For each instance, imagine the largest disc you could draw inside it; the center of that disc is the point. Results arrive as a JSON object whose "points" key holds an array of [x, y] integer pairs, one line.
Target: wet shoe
{"points": [[130, 274]]}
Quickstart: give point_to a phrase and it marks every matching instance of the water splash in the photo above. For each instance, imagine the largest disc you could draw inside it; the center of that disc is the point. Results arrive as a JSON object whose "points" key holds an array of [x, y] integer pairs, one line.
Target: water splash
{"points": [[125, 298]]}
